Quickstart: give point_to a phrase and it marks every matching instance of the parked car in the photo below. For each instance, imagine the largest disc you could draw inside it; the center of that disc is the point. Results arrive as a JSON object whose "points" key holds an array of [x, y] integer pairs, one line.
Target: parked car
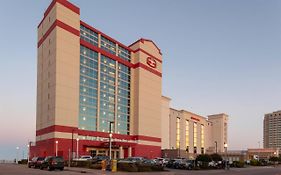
{"points": [[178, 164], [53, 162], [149, 162], [85, 158], [170, 163], [187, 164], [35, 162], [161, 161], [132, 160], [100, 158]]}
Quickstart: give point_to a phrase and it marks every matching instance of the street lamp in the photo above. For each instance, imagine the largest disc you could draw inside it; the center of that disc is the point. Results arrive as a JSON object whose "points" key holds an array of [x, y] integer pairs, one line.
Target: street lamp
{"points": [[72, 143], [226, 157], [57, 148], [28, 152], [216, 146], [77, 147], [17, 148], [110, 136], [225, 147]]}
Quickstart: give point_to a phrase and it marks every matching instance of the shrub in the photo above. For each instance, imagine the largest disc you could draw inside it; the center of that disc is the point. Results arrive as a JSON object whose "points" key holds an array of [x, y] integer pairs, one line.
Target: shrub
{"points": [[238, 164], [96, 166], [216, 157], [204, 158], [133, 167], [255, 163], [273, 159], [84, 164], [144, 168], [124, 166], [23, 161], [157, 168]]}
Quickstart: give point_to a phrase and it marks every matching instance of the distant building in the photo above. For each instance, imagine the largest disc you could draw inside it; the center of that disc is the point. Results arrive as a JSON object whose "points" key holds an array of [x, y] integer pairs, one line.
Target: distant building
{"points": [[264, 153], [271, 130], [250, 154], [185, 134]]}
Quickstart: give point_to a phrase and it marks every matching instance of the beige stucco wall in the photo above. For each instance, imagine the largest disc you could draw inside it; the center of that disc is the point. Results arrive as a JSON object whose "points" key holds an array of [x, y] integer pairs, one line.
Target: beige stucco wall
{"points": [[165, 128], [219, 130], [187, 116], [58, 71], [146, 93], [214, 130]]}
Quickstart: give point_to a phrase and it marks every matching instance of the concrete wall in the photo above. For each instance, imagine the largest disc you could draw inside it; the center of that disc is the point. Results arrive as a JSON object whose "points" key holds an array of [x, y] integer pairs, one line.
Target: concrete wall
{"points": [[219, 128], [214, 129], [146, 92], [58, 70], [165, 128]]}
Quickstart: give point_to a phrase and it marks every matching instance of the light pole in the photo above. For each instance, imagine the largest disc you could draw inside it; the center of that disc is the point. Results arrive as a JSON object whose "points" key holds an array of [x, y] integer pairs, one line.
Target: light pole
{"points": [[28, 152], [110, 136], [57, 148], [225, 147], [72, 144], [226, 157], [216, 146], [77, 148], [17, 148]]}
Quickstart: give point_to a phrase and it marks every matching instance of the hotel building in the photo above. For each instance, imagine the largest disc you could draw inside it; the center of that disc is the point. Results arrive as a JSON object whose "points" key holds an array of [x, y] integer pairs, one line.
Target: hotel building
{"points": [[271, 130], [185, 134], [89, 84]]}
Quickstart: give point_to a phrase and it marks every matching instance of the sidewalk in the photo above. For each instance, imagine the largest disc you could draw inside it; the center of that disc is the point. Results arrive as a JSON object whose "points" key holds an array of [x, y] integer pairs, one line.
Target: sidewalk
{"points": [[100, 172]]}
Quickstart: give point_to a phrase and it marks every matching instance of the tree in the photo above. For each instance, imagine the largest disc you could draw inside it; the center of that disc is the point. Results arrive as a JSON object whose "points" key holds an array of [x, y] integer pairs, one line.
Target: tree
{"points": [[273, 159], [203, 158], [216, 157]]}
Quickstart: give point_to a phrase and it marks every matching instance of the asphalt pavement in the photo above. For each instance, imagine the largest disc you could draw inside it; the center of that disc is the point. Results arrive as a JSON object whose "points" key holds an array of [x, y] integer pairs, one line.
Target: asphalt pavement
{"points": [[14, 169]]}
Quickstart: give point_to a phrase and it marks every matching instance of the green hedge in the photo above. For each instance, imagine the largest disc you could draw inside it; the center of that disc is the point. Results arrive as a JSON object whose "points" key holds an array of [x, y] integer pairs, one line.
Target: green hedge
{"points": [[238, 164], [85, 164], [132, 167], [23, 161]]}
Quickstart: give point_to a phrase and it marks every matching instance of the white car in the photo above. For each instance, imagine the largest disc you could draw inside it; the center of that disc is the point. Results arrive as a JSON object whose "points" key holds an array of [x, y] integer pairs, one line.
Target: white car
{"points": [[85, 158]]}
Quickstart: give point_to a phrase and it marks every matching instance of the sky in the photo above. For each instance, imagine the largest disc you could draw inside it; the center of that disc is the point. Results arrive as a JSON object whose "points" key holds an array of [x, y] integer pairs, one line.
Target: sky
{"points": [[218, 56]]}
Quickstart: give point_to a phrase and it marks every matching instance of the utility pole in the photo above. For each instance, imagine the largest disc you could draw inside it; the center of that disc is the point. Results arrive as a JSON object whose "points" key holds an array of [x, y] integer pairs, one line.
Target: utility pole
{"points": [[216, 146], [110, 136]]}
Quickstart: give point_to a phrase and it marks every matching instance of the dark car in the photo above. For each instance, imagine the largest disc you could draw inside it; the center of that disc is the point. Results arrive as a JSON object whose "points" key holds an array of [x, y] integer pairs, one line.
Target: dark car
{"points": [[187, 164], [99, 158], [53, 162], [35, 162], [170, 163]]}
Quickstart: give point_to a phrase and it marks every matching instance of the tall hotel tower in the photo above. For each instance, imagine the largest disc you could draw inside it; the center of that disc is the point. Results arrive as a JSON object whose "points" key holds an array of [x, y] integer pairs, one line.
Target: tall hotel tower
{"points": [[87, 83], [271, 130]]}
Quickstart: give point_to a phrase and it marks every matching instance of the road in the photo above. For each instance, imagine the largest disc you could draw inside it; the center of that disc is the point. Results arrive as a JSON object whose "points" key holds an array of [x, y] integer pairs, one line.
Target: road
{"points": [[13, 169], [234, 171]]}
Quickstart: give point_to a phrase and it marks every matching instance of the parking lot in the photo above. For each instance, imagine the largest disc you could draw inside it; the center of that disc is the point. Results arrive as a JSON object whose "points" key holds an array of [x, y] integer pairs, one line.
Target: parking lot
{"points": [[13, 169]]}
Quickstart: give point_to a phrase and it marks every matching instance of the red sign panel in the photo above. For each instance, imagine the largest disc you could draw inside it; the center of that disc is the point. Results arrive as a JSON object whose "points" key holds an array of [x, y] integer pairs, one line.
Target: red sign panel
{"points": [[151, 62], [193, 118]]}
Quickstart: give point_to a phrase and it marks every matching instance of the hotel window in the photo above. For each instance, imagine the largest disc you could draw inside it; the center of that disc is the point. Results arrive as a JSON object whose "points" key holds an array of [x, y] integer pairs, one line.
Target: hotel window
{"points": [[178, 133], [89, 35], [124, 53], [123, 99], [88, 89], [202, 139], [107, 93], [108, 45], [195, 137], [187, 133]]}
